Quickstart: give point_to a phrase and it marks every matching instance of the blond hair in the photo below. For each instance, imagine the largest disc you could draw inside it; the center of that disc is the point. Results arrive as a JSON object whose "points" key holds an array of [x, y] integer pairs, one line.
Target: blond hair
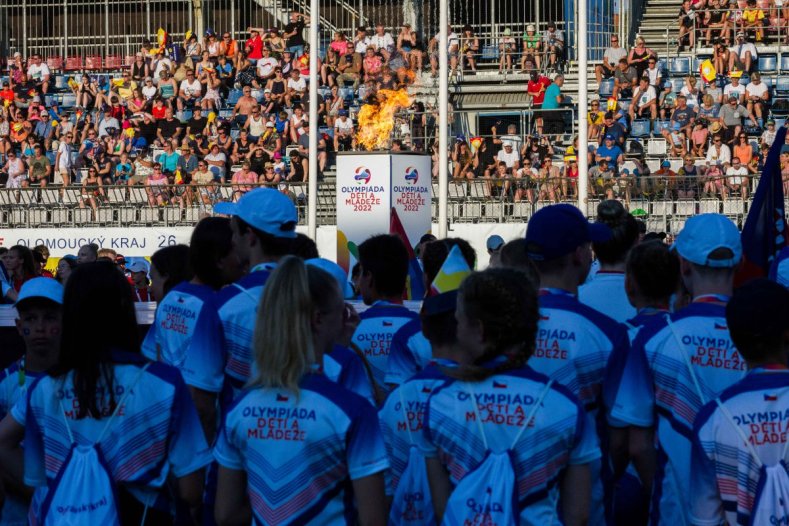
{"points": [[283, 339]]}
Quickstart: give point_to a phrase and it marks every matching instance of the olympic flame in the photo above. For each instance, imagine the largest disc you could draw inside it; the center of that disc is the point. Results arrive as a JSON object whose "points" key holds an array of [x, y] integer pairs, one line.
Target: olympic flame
{"points": [[376, 121]]}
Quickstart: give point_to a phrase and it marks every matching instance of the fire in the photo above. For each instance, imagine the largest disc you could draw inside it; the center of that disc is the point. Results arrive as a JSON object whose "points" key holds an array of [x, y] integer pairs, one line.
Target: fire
{"points": [[376, 121]]}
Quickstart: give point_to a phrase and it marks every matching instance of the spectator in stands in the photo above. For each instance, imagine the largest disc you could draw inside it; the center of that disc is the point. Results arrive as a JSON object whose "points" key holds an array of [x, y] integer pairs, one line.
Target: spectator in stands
{"points": [[462, 160], [611, 57], [768, 136], [654, 74], [743, 55], [644, 103], [736, 179], [731, 118], [614, 129], [639, 56], [139, 68], [753, 20], [350, 70], [507, 48], [718, 152], [687, 26], [243, 180], [687, 178], [294, 33], [243, 107], [595, 120], [469, 48], [553, 44], [92, 190], [699, 137], [720, 58], [532, 46], [382, 42], [39, 74], [373, 65], [691, 91], [39, 168], [527, 177], [676, 140], [734, 87], [716, 20], [228, 47], [15, 170], [217, 161], [601, 179], [611, 152], [625, 79], [453, 50], [86, 92], [757, 97], [344, 132]]}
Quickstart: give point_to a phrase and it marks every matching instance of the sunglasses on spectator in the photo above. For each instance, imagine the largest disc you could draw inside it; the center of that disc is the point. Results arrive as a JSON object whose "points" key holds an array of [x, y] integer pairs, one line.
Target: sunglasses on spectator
{"points": [[717, 140]]}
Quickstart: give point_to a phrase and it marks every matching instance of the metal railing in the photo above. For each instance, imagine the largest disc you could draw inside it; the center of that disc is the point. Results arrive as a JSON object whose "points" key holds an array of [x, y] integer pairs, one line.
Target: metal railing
{"points": [[660, 198]]}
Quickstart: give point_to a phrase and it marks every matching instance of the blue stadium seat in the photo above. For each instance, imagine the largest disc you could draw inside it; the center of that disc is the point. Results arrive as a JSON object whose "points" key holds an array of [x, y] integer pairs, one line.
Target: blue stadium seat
{"points": [[679, 66], [225, 113], [779, 121], [347, 94], [767, 63], [782, 86], [233, 96], [490, 52], [661, 125], [68, 101], [640, 128], [187, 114], [662, 66], [677, 84], [784, 62], [624, 104], [606, 88]]}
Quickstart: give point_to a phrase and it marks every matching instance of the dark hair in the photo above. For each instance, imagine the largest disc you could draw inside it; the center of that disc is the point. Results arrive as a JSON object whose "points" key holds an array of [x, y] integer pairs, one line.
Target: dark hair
{"points": [[93, 247], [624, 232], [654, 268], [304, 247], [211, 241], [515, 255], [173, 263], [98, 318], [435, 253], [441, 328], [272, 246], [504, 302], [28, 263], [42, 249], [70, 261], [3, 251], [386, 259], [758, 319]]}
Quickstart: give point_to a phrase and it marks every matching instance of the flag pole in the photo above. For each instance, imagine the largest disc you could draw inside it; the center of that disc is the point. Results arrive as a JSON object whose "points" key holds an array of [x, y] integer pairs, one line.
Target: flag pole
{"points": [[443, 118], [312, 182]]}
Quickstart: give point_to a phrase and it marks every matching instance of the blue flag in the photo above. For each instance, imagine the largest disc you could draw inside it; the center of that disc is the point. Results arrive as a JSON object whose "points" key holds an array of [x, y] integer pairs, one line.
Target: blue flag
{"points": [[764, 231]]}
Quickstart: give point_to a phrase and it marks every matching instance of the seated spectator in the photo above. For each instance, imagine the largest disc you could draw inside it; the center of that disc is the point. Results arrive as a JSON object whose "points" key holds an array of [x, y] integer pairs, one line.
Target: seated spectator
{"points": [[718, 152], [757, 97], [654, 74], [344, 132], [768, 135], [594, 120], [299, 168], [699, 138], [217, 161], [734, 87], [553, 44], [691, 92], [665, 180], [190, 92], [372, 65], [644, 103], [506, 50], [601, 179], [743, 55], [526, 177], [453, 50], [687, 179], [675, 140], [687, 29], [731, 118], [708, 109], [469, 48], [721, 58], [716, 22], [549, 181], [611, 57], [382, 42], [38, 73], [625, 79], [742, 150], [92, 190], [530, 57], [509, 156], [243, 180], [462, 160], [169, 128], [15, 170], [736, 179], [296, 88], [639, 56], [753, 20], [610, 152], [613, 128]]}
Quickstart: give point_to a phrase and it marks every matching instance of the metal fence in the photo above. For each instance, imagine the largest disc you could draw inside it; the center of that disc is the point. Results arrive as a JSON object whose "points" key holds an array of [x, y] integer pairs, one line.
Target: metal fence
{"points": [[664, 201], [118, 28]]}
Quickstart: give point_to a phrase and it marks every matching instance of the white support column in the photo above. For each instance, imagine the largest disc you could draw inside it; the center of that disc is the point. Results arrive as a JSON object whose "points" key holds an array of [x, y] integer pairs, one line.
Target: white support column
{"points": [[443, 118], [583, 104], [312, 192]]}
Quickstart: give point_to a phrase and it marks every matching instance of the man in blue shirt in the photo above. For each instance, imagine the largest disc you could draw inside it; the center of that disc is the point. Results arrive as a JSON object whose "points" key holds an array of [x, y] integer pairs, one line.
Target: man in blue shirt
{"points": [[611, 152]]}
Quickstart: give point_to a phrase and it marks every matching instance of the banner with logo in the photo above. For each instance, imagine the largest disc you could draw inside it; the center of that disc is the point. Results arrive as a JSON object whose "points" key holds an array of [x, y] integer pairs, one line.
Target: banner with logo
{"points": [[411, 194], [363, 201]]}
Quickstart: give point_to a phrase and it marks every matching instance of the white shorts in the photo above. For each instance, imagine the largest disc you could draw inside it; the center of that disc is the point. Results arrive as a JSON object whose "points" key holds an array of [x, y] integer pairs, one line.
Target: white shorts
{"points": [[15, 182]]}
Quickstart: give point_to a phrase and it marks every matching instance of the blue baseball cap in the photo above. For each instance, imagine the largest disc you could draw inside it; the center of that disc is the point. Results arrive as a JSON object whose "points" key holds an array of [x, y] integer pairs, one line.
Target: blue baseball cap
{"points": [[557, 230], [494, 242], [335, 270], [779, 270], [343, 113], [266, 210], [41, 288], [705, 233], [609, 137]]}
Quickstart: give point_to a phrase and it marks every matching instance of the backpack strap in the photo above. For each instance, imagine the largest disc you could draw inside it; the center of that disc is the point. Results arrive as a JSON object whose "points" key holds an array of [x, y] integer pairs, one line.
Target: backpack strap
{"points": [[533, 412], [245, 291], [693, 376], [751, 449]]}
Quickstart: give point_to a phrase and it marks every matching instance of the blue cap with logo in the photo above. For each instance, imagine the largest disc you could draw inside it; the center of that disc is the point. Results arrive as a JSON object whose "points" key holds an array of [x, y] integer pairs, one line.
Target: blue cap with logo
{"points": [[41, 288], [557, 230], [706, 233], [266, 210], [337, 272]]}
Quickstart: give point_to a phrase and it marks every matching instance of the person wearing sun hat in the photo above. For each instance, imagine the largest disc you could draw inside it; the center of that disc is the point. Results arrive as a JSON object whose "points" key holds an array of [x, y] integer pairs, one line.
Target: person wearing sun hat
{"points": [[680, 362], [574, 341], [263, 222], [447, 263], [39, 310]]}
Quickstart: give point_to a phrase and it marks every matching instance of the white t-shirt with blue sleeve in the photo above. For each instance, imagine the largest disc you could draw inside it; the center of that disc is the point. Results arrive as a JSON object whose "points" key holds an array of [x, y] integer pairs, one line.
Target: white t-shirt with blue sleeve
{"points": [[410, 353], [606, 293], [187, 334], [345, 367], [301, 453]]}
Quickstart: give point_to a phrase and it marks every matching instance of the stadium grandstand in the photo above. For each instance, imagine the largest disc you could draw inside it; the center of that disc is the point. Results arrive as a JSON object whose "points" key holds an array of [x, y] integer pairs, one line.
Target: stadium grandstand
{"points": [[147, 113]]}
